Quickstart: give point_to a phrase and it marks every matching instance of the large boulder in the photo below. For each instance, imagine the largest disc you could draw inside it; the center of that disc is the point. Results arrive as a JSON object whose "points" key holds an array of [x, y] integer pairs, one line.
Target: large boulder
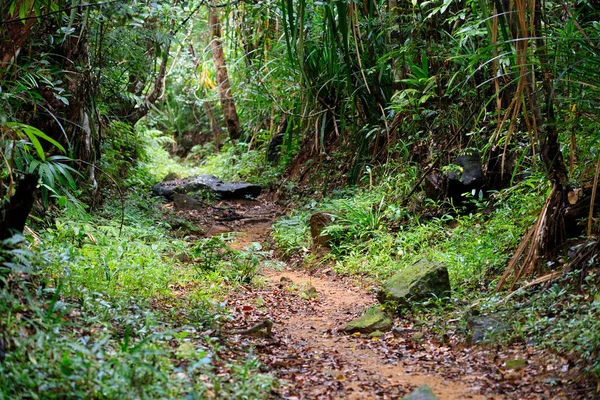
{"points": [[416, 283], [371, 321], [464, 175], [225, 190], [471, 170]]}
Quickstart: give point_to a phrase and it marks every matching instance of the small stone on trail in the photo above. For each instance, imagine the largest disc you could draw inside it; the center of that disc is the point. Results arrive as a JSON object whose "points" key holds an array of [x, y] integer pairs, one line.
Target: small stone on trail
{"points": [[375, 319], [485, 327], [417, 337], [423, 392], [308, 291], [400, 332], [376, 334], [284, 281]]}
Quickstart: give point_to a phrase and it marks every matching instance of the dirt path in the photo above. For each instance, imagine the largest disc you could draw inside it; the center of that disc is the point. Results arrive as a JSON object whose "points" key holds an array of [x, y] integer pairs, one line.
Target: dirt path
{"points": [[313, 359], [361, 371]]}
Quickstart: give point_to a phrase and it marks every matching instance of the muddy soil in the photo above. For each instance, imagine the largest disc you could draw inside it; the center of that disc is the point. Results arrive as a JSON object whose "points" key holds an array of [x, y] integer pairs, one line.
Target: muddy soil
{"points": [[314, 359]]}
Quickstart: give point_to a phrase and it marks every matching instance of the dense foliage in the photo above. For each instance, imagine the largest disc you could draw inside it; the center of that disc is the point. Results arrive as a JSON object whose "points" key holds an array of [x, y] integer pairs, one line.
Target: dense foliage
{"points": [[343, 107]]}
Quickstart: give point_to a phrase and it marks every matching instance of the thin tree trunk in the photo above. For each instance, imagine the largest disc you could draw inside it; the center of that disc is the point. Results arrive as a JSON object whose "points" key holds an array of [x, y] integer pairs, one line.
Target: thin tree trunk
{"points": [[153, 95], [214, 126], [80, 111], [227, 102]]}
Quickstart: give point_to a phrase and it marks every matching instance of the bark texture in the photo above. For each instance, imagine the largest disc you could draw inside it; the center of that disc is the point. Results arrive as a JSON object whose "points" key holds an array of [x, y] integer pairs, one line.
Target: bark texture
{"points": [[14, 34], [227, 102]]}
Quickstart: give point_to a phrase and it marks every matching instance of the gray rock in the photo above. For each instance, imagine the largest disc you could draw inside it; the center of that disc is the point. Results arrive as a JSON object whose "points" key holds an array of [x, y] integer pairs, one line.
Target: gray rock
{"points": [[469, 177], [423, 392], [471, 174], [225, 190], [318, 222], [485, 327], [230, 190], [371, 321], [401, 332], [416, 283], [434, 185], [185, 202]]}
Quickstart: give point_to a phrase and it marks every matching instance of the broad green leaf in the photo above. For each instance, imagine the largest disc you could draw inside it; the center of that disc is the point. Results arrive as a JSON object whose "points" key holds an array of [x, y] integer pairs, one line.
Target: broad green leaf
{"points": [[36, 143], [33, 131]]}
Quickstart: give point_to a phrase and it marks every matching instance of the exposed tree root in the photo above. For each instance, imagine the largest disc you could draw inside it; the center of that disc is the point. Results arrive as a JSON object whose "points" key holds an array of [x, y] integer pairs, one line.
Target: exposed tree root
{"points": [[543, 239]]}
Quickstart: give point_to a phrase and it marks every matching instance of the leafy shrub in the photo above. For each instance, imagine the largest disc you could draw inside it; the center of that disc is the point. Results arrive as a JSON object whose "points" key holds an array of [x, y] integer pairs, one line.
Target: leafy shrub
{"points": [[292, 233]]}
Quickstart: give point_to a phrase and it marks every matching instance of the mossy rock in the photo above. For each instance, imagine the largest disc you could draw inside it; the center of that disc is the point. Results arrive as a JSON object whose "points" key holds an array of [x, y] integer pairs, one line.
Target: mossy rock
{"points": [[423, 392], [416, 283], [375, 319], [171, 176]]}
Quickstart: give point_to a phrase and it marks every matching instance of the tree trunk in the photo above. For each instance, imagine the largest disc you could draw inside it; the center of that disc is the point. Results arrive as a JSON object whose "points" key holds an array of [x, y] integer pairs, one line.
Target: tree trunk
{"points": [[227, 103], [80, 110], [214, 126], [13, 35]]}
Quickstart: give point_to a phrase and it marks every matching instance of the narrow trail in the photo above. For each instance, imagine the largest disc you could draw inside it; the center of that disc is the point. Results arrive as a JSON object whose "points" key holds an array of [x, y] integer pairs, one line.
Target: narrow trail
{"points": [[310, 336], [314, 359], [363, 372]]}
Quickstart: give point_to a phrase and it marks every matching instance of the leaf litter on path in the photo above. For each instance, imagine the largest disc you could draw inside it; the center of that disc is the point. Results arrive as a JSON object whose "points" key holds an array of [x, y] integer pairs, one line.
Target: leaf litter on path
{"points": [[313, 359]]}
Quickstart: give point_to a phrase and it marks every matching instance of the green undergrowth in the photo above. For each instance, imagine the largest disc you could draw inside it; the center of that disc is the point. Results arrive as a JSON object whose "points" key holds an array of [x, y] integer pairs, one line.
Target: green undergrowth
{"points": [[150, 147], [374, 236], [234, 162], [239, 162], [93, 309]]}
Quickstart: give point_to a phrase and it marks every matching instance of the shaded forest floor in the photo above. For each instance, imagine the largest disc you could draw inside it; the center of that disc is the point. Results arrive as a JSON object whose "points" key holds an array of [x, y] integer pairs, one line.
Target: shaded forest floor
{"points": [[312, 357]]}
